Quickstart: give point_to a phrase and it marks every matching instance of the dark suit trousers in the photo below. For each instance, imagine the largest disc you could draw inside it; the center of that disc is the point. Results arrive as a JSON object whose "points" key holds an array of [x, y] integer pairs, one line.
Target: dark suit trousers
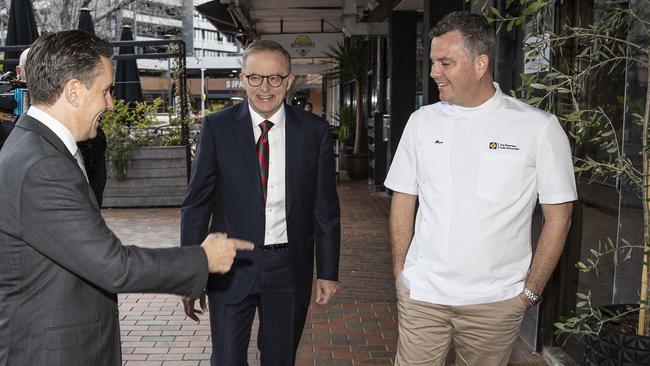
{"points": [[281, 318]]}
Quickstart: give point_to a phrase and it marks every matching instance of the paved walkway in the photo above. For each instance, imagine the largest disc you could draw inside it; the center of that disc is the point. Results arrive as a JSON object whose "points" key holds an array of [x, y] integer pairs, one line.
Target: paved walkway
{"points": [[358, 328]]}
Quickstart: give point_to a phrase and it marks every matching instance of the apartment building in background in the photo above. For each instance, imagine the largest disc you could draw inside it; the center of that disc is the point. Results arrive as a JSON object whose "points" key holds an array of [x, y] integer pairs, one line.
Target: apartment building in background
{"points": [[211, 54]]}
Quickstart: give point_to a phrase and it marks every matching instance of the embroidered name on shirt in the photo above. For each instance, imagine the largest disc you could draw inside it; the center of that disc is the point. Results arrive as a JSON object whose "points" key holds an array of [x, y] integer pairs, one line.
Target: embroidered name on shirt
{"points": [[500, 146], [438, 142]]}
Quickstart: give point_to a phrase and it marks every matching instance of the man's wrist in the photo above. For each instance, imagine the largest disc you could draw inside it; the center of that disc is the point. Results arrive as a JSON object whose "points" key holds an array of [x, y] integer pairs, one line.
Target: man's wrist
{"points": [[532, 297]]}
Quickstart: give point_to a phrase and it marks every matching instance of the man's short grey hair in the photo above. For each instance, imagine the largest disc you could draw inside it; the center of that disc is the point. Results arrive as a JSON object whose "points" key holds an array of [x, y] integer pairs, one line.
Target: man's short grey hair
{"points": [[264, 45], [478, 35]]}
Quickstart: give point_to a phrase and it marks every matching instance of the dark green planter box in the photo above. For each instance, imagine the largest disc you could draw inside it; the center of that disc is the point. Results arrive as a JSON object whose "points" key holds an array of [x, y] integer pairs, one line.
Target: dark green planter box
{"points": [[155, 177], [613, 348]]}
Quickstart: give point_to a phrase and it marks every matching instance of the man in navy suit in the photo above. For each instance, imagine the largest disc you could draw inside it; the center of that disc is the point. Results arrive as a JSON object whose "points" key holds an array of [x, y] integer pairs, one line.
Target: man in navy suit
{"points": [[264, 172]]}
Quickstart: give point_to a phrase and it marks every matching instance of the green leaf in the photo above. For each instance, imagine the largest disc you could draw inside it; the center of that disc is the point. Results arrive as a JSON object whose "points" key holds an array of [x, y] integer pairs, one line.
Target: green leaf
{"points": [[534, 100], [534, 6], [520, 20], [495, 11], [582, 267], [607, 133], [538, 86]]}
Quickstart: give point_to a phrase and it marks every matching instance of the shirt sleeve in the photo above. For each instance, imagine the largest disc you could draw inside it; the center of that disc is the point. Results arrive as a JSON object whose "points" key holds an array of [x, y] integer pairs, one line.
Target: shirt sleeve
{"points": [[402, 175], [554, 166]]}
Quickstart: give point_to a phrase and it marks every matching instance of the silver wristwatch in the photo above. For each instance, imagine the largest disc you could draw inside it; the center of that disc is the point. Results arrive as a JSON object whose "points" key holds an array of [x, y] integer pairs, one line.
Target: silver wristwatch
{"points": [[532, 297]]}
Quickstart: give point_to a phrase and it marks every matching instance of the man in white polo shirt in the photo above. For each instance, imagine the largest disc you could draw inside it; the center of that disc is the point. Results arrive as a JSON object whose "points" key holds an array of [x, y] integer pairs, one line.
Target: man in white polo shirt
{"points": [[476, 163]]}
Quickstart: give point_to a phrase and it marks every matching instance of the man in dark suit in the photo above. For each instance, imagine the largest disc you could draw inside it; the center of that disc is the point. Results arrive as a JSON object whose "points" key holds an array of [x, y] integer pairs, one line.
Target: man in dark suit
{"points": [[264, 171], [60, 265], [93, 150]]}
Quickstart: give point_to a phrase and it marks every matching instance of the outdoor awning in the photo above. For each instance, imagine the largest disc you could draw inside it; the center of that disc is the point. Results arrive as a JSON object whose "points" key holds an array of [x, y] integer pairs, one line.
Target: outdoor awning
{"points": [[217, 14], [259, 17]]}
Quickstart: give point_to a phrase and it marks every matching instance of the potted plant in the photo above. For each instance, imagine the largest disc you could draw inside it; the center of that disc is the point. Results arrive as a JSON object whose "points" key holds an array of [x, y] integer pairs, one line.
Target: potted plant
{"points": [[147, 165], [345, 119], [350, 62], [619, 333]]}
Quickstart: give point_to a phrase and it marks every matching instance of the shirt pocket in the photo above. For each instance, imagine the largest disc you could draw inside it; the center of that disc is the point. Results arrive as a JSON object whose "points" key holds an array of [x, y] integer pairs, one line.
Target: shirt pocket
{"points": [[500, 176]]}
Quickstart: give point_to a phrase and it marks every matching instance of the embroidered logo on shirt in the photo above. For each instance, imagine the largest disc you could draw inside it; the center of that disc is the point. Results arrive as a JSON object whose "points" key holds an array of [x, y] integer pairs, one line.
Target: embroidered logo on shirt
{"points": [[438, 142], [500, 146]]}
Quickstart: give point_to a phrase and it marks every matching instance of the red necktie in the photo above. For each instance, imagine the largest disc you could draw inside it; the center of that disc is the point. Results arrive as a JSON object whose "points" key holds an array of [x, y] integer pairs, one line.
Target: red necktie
{"points": [[263, 155]]}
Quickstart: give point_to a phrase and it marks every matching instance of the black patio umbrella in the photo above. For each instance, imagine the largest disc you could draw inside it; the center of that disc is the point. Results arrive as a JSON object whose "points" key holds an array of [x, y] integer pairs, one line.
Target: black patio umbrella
{"points": [[127, 78], [93, 150], [85, 22], [21, 29]]}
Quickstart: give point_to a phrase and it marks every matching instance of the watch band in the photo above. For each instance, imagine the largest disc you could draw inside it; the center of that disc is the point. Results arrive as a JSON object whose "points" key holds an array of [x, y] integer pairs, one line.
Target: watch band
{"points": [[532, 297]]}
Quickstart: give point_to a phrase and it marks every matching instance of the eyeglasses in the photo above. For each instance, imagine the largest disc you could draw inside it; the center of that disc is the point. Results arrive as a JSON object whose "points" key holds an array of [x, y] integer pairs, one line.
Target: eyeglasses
{"points": [[274, 80]]}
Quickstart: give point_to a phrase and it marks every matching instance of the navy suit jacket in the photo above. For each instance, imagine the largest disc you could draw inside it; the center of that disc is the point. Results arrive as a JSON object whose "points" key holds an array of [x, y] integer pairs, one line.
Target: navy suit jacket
{"points": [[225, 195]]}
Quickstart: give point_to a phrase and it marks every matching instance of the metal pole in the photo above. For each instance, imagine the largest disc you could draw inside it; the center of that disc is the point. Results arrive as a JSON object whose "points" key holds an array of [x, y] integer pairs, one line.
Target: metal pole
{"points": [[202, 92], [183, 92]]}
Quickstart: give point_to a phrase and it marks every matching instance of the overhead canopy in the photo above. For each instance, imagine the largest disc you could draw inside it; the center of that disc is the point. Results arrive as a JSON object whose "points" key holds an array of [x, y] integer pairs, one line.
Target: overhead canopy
{"points": [[254, 18], [296, 16], [217, 14]]}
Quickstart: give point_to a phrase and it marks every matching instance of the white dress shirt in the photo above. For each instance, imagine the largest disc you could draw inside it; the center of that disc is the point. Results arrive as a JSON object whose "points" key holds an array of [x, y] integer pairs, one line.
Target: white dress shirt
{"points": [[276, 217]]}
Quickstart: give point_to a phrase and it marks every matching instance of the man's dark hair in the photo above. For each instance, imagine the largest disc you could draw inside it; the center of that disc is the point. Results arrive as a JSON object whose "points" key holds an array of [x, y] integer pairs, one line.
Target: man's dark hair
{"points": [[478, 35], [56, 58], [264, 45]]}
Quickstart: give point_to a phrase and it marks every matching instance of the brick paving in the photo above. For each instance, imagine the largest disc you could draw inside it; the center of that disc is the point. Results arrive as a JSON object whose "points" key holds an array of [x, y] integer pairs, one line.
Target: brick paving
{"points": [[358, 328]]}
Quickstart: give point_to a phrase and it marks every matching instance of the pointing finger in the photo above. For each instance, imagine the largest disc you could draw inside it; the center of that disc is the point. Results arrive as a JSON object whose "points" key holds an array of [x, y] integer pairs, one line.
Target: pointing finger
{"points": [[243, 244]]}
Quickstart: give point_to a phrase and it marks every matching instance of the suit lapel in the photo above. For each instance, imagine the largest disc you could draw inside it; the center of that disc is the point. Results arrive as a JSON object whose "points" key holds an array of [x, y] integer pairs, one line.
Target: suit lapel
{"points": [[243, 131], [32, 124], [293, 161]]}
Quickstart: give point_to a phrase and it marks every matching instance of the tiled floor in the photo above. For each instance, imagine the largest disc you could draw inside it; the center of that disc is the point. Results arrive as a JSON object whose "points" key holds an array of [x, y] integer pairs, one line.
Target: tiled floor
{"points": [[358, 328]]}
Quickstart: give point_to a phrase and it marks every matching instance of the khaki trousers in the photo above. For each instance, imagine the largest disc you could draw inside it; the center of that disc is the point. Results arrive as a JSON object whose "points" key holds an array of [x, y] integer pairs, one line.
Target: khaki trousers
{"points": [[483, 334]]}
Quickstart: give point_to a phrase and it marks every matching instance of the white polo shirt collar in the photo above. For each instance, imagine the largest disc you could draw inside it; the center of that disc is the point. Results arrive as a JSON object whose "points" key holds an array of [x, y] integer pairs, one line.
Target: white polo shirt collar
{"points": [[453, 110]]}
